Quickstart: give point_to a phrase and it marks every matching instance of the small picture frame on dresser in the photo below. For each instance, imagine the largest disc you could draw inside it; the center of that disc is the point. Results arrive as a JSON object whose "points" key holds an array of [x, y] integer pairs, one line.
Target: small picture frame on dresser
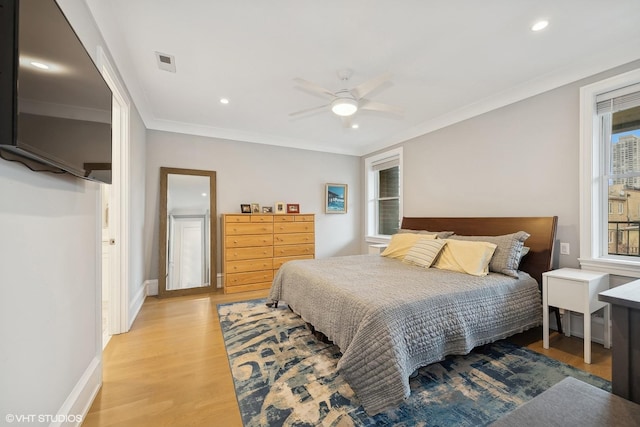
{"points": [[245, 208], [293, 208], [255, 208], [267, 209], [281, 208]]}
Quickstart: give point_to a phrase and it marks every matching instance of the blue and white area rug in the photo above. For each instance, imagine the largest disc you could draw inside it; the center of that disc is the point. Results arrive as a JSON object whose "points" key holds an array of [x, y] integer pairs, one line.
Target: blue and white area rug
{"points": [[285, 377]]}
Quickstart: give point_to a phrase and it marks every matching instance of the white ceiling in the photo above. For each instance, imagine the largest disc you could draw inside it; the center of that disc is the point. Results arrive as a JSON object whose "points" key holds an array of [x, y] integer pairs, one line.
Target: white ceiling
{"points": [[450, 60]]}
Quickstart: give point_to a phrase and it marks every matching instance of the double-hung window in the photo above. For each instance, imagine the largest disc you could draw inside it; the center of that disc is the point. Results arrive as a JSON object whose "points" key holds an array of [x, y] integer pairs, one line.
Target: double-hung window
{"points": [[610, 178], [383, 178]]}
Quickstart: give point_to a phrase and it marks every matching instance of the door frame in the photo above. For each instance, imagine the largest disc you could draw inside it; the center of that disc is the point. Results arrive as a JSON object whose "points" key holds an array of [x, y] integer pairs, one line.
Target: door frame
{"points": [[119, 200]]}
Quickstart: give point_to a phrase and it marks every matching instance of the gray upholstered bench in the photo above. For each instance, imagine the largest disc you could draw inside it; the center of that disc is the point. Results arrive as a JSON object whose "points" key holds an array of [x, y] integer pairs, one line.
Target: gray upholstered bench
{"points": [[574, 403]]}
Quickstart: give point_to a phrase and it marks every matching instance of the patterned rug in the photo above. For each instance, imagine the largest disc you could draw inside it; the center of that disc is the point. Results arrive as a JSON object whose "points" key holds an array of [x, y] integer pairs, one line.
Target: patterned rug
{"points": [[285, 377]]}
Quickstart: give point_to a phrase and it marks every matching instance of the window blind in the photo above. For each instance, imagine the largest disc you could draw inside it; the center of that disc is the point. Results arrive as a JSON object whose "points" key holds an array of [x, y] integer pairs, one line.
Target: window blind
{"points": [[619, 99], [387, 163]]}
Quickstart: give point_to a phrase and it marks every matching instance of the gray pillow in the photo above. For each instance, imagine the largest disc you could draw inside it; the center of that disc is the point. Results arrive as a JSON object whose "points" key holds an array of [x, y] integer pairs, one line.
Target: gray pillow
{"points": [[506, 258], [438, 234]]}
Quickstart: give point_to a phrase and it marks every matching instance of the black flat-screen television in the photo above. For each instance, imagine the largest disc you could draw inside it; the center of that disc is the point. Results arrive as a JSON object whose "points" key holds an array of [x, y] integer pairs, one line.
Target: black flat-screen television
{"points": [[55, 106]]}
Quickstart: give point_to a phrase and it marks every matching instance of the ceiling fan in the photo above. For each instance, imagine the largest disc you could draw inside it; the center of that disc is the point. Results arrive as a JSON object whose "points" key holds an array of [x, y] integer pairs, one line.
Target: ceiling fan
{"points": [[346, 102]]}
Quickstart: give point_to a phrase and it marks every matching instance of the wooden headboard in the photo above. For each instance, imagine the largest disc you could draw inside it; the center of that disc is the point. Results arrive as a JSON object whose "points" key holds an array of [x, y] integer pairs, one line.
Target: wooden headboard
{"points": [[542, 231]]}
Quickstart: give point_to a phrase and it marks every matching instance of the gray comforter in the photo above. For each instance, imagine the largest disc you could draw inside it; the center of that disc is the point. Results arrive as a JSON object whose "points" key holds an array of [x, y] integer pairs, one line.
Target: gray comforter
{"points": [[389, 318]]}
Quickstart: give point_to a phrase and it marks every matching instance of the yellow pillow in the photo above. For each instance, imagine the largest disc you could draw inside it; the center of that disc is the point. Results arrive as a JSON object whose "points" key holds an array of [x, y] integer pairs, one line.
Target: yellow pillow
{"points": [[466, 257], [402, 242]]}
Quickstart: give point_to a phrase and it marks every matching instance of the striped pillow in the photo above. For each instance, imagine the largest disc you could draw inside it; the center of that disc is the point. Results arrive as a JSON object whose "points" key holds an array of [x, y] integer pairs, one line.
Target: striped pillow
{"points": [[424, 252]]}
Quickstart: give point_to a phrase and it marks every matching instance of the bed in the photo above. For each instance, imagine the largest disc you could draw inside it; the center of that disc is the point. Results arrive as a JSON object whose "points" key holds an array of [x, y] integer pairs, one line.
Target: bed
{"points": [[389, 318]]}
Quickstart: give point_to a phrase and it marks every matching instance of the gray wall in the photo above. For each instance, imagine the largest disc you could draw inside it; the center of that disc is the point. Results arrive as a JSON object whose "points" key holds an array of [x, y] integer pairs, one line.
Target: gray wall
{"points": [[519, 160], [49, 271], [256, 173]]}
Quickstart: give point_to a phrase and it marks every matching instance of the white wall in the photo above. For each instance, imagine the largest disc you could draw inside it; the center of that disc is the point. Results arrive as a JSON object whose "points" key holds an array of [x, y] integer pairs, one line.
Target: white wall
{"points": [[519, 160], [50, 356], [137, 191], [256, 173], [49, 291]]}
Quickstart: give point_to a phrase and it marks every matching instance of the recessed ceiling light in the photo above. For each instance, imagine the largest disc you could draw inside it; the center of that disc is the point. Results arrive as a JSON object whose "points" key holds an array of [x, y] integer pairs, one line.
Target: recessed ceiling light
{"points": [[224, 101], [540, 25], [204, 194], [40, 65], [355, 126]]}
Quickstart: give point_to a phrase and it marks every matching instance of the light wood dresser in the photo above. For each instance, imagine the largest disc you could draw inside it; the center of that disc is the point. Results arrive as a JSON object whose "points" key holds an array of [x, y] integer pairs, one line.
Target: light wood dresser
{"points": [[254, 246]]}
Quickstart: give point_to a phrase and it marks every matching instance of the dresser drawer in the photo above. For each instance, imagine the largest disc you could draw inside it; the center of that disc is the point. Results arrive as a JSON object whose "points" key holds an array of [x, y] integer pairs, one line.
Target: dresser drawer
{"points": [[248, 240], [284, 218], [294, 227], [237, 218], [261, 218], [243, 266], [249, 228], [293, 238], [304, 218], [236, 254], [238, 279], [277, 262], [247, 288], [291, 250]]}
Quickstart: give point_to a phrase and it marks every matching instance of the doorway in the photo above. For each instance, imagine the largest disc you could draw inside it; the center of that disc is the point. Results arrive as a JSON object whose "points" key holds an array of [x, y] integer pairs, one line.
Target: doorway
{"points": [[115, 291]]}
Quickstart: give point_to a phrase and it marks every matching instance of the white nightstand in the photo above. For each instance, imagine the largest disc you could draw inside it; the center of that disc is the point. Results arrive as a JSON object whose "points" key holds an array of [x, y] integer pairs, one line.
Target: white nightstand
{"points": [[377, 249], [575, 290]]}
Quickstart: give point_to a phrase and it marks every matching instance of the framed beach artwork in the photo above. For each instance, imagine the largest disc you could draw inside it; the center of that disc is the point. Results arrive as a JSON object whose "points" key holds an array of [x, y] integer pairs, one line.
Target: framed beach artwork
{"points": [[335, 198]]}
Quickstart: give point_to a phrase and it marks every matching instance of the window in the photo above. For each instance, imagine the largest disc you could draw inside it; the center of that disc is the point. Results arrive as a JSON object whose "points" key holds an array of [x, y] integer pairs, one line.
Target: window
{"points": [[610, 178], [383, 178]]}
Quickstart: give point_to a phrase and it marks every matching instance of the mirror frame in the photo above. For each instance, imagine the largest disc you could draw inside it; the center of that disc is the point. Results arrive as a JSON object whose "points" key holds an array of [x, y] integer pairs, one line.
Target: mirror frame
{"points": [[162, 263]]}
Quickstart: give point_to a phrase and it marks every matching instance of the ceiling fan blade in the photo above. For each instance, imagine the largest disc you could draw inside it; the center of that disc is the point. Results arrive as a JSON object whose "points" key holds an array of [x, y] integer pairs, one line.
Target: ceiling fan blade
{"points": [[370, 85], [309, 110], [366, 104], [312, 87]]}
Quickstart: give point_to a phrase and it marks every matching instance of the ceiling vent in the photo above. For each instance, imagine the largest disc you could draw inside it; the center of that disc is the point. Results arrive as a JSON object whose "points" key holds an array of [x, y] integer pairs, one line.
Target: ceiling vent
{"points": [[166, 62]]}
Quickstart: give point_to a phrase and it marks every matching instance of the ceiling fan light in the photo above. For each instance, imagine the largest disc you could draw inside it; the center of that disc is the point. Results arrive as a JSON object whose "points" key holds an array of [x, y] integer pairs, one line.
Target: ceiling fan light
{"points": [[344, 107]]}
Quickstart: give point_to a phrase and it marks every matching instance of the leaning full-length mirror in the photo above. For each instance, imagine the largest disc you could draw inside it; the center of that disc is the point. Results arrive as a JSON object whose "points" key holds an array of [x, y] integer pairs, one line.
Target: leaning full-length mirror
{"points": [[187, 232]]}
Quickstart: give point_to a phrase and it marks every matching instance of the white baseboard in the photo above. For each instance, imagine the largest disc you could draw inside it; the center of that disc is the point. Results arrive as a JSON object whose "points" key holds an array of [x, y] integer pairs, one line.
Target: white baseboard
{"points": [[76, 407], [136, 303], [152, 287], [577, 326]]}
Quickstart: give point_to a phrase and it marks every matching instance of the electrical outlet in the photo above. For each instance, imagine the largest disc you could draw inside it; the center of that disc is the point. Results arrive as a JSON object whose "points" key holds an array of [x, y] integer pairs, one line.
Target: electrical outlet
{"points": [[564, 249]]}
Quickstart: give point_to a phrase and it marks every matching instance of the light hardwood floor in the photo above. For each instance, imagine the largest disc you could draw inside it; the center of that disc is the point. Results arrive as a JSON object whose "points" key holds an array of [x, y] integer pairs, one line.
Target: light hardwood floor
{"points": [[171, 369]]}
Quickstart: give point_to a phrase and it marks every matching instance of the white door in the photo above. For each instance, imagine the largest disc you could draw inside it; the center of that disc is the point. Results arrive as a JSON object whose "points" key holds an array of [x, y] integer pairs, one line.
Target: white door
{"points": [[107, 254], [186, 261]]}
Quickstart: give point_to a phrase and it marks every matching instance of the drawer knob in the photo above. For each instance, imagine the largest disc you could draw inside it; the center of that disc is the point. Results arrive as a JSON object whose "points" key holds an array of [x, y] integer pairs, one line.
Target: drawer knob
{"points": [[235, 241]]}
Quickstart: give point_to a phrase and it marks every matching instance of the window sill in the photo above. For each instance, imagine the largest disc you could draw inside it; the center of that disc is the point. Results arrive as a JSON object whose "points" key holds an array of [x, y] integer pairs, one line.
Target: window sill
{"points": [[616, 267]]}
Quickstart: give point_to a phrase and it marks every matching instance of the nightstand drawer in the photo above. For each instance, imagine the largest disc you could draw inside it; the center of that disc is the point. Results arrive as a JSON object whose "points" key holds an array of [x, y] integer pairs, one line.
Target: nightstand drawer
{"points": [[566, 294]]}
